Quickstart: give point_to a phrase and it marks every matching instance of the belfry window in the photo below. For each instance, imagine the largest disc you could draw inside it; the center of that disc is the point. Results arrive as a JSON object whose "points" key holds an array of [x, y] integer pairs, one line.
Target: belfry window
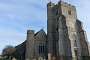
{"points": [[69, 12]]}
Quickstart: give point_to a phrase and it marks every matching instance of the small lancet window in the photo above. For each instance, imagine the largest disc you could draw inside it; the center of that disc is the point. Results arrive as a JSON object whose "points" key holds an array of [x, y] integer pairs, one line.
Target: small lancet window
{"points": [[75, 43], [41, 49], [56, 12]]}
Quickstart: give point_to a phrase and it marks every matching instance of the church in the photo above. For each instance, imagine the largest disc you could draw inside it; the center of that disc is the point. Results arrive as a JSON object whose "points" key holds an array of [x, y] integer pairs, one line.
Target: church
{"points": [[65, 38]]}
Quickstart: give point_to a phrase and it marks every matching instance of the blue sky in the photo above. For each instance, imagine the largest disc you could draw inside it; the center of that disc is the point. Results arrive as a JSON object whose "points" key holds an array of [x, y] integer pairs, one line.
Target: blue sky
{"points": [[16, 16]]}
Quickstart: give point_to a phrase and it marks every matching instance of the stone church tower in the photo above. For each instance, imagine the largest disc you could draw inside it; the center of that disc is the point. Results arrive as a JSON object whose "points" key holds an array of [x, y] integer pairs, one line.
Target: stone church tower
{"points": [[63, 40]]}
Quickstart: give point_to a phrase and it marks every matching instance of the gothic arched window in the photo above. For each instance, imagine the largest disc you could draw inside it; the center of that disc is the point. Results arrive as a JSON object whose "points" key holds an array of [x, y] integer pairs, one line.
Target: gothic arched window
{"points": [[41, 49]]}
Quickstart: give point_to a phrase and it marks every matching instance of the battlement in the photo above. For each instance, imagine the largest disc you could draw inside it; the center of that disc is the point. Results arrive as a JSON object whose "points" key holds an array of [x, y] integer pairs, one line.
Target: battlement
{"points": [[67, 4], [61, 3], [51, 4]]}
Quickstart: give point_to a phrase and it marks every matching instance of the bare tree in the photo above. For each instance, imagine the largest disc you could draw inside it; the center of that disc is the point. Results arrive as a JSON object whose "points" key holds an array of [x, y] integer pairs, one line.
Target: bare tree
{"points": [[8, 51]]}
